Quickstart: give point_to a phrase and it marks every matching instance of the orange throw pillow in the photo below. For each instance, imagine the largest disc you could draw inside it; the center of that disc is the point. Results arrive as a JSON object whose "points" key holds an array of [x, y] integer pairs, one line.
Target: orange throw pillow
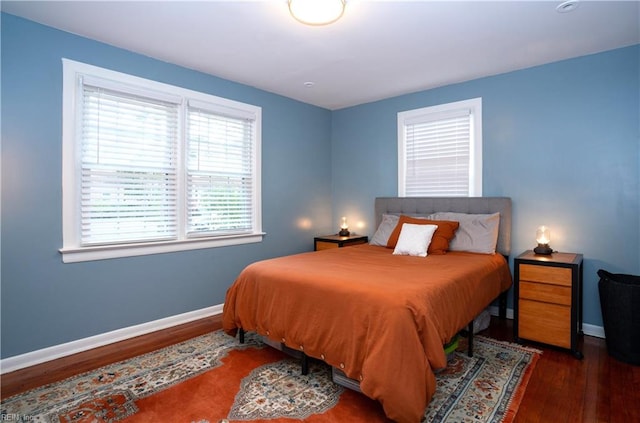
{"points": [[440, 241]]}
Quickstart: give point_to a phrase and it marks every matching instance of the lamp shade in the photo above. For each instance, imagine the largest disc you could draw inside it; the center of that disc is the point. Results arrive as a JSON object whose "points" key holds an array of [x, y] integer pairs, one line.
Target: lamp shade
{"points": [[317, 12], [344, 228], [543, 237]]}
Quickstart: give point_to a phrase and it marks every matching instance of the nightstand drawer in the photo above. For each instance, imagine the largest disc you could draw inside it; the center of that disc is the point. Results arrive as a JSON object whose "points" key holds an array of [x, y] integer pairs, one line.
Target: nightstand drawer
{"points": [[543, 322], [324, 245], [547, 293], [545, 274]]}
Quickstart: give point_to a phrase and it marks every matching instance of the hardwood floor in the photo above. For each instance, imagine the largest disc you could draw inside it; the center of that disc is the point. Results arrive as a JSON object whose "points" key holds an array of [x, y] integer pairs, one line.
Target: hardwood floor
{"points": [[562, 388]]}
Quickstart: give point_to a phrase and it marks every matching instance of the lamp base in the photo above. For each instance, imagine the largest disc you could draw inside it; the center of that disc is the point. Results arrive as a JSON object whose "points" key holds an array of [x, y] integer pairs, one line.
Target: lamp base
{"points": [[543, 249], [344, 232]]}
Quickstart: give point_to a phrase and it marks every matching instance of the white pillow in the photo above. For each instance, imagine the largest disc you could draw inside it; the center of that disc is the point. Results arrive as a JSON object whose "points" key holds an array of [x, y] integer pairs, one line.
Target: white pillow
{"points": [[387, 225], [414, 240], [477, 233]]}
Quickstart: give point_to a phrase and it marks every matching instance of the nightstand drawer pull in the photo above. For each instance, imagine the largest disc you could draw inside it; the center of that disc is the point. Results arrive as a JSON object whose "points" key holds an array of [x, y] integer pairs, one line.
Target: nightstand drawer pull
{"points": [[547, 293], [545, 274]]}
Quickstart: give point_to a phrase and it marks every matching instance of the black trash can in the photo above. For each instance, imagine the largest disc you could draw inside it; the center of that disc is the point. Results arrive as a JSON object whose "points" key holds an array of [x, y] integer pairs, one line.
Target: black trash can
{"points": [[620, 303]]}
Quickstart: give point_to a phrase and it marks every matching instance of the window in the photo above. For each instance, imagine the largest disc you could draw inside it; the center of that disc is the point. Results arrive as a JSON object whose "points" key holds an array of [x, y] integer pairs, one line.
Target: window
{"points": [[152, 168], [440, 150]]}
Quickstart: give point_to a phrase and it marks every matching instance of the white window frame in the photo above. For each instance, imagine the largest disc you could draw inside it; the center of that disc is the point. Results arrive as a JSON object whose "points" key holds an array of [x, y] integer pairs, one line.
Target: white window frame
{"points": [[72, 250], [474, 106]]}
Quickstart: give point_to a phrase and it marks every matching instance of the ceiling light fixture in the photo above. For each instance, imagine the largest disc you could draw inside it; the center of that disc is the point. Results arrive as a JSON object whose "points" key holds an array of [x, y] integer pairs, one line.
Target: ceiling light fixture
{"points": [[567, 6], [317, 12]]}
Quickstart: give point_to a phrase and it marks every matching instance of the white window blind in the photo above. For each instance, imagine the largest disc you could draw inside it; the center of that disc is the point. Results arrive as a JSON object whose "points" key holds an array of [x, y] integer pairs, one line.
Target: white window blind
{"points": [[154, 168], [439, 153], [219, 173], [128, 175]]}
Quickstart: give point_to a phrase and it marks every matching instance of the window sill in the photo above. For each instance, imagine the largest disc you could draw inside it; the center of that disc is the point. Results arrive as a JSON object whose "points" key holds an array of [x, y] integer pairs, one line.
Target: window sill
{"points": [[103, 252]]}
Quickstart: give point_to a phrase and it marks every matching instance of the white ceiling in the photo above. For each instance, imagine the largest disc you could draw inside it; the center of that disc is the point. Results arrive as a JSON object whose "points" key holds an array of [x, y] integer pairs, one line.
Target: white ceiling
{"points": [[378, 49]]}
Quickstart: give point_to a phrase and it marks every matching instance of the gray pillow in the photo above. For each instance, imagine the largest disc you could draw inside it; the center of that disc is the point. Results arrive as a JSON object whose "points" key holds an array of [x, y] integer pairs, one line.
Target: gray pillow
{"points": [[477, 233], [387, 225]]}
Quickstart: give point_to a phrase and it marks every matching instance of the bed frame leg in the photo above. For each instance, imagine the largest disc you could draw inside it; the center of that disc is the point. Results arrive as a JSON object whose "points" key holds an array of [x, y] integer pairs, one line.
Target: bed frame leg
{"points": [[241, 335], [502, 305], [470, 339], [304, 364]]}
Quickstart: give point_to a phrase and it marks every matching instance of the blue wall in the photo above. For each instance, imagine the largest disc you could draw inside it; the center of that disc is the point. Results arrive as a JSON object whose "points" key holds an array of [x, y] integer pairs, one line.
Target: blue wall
{"points": [[46, 302], [562, 140]]}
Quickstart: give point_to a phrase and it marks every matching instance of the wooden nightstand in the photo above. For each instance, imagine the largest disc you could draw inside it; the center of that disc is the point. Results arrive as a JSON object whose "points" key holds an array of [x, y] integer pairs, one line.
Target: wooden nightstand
{"points": [[548, 299], [337, 241]]}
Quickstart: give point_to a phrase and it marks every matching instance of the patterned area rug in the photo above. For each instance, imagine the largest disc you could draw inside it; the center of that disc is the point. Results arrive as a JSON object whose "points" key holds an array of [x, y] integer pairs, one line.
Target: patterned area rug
{"points": [[214, 379]]}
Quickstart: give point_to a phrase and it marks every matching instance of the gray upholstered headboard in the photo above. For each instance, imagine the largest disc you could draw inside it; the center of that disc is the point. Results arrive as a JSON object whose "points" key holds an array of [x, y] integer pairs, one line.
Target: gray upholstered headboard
{"points": [[426, 205]]}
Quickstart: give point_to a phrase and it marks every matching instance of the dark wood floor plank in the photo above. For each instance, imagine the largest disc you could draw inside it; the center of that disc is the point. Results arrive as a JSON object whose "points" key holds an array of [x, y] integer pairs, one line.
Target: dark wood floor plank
{"points": [[575, 399], [554, 390], [622, 385], [604, 390], [590, 396]]}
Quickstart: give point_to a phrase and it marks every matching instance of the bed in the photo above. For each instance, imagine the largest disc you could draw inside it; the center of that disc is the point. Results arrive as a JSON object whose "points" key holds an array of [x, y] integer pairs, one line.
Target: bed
{"points": [[380, 318]]}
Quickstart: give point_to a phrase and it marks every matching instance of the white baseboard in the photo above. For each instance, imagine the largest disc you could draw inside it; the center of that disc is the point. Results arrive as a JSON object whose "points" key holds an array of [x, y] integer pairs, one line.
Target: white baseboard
{"points": [[591, 330], [21, 361]]}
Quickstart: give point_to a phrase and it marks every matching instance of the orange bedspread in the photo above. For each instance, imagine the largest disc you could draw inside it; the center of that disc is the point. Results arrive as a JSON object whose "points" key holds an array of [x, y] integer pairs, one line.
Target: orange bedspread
{"points": [[382, 319]]}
